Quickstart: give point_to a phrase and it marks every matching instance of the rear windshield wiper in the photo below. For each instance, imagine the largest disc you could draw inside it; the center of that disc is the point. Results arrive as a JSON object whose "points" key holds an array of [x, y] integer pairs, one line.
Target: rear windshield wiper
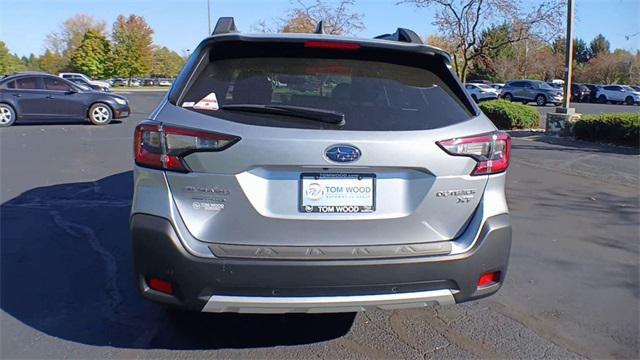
{"points": [[321, 115]]}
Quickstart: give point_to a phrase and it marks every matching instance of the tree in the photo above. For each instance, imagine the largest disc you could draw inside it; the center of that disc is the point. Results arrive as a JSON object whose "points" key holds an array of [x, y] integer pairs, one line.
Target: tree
{"points": [[166, 63], [52, 62], [599, 45], [462, 21], [9, 62], [339, 19], [71, 33], [91, 56], [132, 51]]}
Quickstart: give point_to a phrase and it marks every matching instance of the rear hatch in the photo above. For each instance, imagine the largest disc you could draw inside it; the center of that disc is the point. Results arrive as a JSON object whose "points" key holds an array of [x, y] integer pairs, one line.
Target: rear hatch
{"points": [[332, 144]]}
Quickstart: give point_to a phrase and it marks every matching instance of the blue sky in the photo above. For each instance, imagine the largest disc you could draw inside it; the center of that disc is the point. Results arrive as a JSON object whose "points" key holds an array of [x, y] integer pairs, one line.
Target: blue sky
{"points": [[181, 24]]}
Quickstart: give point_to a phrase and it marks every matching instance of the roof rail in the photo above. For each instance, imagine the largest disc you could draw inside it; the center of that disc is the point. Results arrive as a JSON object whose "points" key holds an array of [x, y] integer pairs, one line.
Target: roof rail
{"points": [[403, 35], [225, 25], [320, 28]]}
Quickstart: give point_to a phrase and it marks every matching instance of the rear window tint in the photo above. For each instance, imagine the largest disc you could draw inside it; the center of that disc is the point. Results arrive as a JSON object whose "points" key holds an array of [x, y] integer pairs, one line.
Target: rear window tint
{"points": [[373, 95]]}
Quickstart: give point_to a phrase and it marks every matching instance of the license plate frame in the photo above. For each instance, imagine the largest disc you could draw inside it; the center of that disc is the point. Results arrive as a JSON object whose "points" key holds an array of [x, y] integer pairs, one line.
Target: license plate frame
{"points": [[331, 205]]}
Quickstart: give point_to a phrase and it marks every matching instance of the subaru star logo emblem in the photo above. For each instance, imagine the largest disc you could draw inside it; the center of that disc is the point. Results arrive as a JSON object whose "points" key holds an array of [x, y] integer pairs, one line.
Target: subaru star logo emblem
{"points": [[342, 153]]}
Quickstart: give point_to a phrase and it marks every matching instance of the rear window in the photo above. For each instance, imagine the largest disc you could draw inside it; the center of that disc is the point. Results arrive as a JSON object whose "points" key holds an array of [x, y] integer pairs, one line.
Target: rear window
{"points": [[372, 95]]}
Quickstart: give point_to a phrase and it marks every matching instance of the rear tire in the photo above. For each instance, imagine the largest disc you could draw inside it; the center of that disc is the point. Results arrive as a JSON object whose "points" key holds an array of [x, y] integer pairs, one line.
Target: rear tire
{"points": [[474, 97], [602, 99], [541, 100], [508, 97], [629, 100], [100, 114], [7, 115]]}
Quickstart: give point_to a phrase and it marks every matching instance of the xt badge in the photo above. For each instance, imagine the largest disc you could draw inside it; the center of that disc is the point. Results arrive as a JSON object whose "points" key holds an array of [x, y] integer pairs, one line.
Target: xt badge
{"points": [[462, 196]]}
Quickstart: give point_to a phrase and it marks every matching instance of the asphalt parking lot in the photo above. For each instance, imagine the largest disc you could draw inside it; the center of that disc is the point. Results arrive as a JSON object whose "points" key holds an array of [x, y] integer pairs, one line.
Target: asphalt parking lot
{"points": [[67, 289]]}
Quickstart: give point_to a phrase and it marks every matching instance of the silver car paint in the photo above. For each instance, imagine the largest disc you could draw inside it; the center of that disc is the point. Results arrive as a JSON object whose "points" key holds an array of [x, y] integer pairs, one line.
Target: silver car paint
{"points": [[260, 173]]}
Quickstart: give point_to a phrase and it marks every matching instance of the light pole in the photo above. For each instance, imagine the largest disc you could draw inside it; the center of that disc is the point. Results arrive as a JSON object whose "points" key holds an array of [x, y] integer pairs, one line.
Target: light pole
{"points": [[209, 16], [568, 58]]}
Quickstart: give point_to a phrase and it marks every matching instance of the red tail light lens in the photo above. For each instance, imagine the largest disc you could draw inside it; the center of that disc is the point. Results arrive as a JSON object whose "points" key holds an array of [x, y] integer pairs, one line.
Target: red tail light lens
{"points": [[489, 279], [333, 45], [163, 147], [160, 285], [491, 151]]}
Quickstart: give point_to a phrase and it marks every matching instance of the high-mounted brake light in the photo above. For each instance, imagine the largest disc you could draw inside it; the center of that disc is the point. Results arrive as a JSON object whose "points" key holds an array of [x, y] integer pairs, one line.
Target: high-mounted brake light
{"points": [[333, 45], [163, 147], [492, 151]]}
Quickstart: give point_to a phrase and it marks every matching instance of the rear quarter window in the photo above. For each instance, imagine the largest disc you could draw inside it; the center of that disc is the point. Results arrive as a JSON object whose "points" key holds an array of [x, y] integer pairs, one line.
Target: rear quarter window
{"points": [[372, 94]]}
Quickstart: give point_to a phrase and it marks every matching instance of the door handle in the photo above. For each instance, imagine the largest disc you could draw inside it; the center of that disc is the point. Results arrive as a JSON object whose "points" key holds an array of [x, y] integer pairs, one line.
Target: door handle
{"points": [[50, 97], [17, 95]]}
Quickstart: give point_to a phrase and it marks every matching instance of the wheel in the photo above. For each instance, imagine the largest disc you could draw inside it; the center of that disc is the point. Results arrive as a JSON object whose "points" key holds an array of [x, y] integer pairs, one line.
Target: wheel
{"points": [[629, 100], [541, 100], [7, 115], [602, 99], [508, 97], [474, 97], [100, 114]]}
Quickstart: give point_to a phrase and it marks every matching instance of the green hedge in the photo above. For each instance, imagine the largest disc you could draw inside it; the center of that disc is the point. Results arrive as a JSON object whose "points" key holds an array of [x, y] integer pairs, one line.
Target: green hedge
{"points": [[621, 128], [509, 115]]}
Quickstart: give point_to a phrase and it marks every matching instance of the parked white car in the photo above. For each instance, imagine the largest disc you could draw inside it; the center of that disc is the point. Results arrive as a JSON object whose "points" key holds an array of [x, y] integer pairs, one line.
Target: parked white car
{"points": [[618, 94], [497, 86], [481, 91], [103, 85], [165, 82]]}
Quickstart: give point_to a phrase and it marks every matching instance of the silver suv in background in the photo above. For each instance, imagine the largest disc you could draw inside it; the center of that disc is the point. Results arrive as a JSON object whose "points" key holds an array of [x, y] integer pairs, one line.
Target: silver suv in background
{"points": [[531, 91], [318, 173]]}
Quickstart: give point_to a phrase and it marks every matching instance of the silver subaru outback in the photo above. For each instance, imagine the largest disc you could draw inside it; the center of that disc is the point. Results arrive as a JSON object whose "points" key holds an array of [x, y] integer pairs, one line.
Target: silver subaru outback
{"points": [[316, 173]]}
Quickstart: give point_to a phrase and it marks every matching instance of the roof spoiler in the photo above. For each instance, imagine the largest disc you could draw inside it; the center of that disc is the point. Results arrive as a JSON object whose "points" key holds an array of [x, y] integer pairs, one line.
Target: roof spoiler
{"points": [[403, 35], [225, 25]]}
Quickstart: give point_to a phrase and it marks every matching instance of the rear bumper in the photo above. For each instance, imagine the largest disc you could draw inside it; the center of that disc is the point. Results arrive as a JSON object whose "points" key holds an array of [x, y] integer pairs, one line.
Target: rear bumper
{"points": [[281, 286]]}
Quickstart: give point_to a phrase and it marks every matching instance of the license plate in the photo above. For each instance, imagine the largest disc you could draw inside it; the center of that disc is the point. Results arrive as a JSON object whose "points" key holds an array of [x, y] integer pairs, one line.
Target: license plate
{"points": [[337, 193]]}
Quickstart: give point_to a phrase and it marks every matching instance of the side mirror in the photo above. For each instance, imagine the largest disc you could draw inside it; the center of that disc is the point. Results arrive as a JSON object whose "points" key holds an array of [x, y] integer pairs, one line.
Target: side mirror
{"points": [[72, 91]]}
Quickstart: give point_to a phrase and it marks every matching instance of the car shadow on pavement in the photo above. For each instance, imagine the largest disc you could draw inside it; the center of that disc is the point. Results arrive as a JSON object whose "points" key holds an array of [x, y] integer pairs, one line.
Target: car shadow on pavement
{"points": [[570, 144], [62, 122], [66, 270]]}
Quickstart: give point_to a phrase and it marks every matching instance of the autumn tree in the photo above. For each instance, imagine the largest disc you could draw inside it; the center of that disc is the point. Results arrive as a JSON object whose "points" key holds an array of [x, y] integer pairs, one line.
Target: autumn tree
{"points": [[9, 62], [166, 63], [338, 19], [71, 33], [462, 21], [132, 50], [92, 55], [52, 62]]}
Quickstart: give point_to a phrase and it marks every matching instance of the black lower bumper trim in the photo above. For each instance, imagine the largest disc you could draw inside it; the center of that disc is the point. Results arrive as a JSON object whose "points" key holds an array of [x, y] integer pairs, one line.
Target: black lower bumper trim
{"points": [[157, 252]]}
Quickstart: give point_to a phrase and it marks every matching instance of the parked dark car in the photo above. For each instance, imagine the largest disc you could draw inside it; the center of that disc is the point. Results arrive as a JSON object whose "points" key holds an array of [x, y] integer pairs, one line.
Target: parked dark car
{"points": [[580, 93], [593, 92], [40, 97], [531, 90]]}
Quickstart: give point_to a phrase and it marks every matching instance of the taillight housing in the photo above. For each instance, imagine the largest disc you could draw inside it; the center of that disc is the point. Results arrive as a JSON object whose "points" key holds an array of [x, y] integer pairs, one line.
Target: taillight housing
{"points": [[163, 147], [491, 151]]}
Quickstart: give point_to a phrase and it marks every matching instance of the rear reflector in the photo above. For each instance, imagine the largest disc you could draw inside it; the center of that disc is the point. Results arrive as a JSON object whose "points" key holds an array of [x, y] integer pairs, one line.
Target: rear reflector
{"points": [[163, 147], [333, 45], [489, 279], [160, 285], [492, 151]]}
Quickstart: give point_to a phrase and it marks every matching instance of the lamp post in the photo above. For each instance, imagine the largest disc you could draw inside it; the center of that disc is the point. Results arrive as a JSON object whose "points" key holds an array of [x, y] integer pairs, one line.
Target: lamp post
{"points": [[568, 58], [560, 122], [209, 16]]}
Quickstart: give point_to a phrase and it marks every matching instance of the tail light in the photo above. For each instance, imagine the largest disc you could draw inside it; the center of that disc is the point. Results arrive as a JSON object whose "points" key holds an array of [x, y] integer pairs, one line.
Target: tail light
{"points": [[491, 151], [163, 147]]}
